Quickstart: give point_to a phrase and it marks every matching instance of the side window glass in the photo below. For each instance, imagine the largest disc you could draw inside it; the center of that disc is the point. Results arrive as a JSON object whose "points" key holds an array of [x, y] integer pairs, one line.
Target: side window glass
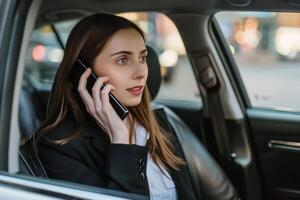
{"points": [[161, 34], [266, 49], [64, 28], [45, 54], [43, 58]]}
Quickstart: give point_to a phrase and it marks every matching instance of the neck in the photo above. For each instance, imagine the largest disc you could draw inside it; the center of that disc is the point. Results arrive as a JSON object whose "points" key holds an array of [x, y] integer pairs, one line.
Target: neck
{"points": [[127, 121]]}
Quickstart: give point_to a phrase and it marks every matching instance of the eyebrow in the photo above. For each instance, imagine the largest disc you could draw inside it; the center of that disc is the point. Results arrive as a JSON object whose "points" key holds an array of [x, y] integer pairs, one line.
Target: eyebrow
{"points": [[127, 52]]}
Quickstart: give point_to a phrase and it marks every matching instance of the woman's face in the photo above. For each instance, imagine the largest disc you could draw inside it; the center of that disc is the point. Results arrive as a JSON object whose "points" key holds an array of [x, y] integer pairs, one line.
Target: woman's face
{"points": [[123, 59]]}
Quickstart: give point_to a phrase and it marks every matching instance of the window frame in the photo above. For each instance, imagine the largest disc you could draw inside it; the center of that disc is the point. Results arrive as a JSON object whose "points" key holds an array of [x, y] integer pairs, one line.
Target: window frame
{"points": [[229, 63]]}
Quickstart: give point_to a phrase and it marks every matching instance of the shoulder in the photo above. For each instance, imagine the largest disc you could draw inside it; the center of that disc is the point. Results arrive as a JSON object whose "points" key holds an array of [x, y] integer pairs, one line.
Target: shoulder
{"points": [[51, 142], [63, 130], [67, 127], [89, 135], [63, 137]]}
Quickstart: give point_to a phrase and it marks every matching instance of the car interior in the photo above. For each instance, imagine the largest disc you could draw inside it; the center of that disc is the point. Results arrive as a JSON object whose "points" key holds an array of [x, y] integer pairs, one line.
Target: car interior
{"points": [[235, 148]]}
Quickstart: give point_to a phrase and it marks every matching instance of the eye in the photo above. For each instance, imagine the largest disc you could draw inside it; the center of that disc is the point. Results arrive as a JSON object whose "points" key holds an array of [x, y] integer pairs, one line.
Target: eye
{"points": [[143, 59], [122, 60]]}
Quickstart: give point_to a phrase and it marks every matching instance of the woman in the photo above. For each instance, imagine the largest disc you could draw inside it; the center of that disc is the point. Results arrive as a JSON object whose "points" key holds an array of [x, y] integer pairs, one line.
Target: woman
{"points": [[83, 139]]}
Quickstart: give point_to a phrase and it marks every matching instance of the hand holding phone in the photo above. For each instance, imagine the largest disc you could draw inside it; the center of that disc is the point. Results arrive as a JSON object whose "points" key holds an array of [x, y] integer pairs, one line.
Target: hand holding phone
{"points": [[101, 105], [79, 68]]}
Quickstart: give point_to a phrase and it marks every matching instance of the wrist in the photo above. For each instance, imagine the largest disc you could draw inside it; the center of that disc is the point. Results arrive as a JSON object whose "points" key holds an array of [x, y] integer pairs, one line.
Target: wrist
{"points": [[121, 139]]}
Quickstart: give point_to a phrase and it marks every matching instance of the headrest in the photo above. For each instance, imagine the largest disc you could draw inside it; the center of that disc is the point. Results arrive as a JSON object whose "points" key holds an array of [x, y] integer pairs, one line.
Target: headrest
{"points": [[154, 75]]}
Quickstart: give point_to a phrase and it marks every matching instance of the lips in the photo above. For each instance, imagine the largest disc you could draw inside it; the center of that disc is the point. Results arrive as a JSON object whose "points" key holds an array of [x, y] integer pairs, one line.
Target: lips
{"points": [[135, 87], [136, 90]]}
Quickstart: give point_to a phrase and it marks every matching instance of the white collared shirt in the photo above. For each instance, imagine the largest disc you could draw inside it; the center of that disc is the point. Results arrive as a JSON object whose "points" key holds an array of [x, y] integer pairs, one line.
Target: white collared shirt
{"points": [[160, 183]]}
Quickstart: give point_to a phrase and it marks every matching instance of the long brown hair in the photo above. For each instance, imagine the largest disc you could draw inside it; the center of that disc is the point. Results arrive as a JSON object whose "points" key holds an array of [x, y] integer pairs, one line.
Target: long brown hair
{"points": [[86, 41]]}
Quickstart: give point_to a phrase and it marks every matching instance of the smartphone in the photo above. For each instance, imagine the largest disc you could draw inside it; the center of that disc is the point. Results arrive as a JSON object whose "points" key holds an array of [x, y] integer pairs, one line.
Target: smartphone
{"points": [[79, 68]]}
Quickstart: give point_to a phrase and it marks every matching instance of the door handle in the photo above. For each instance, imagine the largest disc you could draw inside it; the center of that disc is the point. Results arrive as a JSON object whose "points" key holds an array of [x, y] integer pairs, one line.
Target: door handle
{"points": [[284, 145]]}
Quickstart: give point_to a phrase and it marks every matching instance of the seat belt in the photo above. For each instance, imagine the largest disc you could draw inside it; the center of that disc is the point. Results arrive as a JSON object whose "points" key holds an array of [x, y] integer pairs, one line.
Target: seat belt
{"points": [[219, 126], [210, 81]]}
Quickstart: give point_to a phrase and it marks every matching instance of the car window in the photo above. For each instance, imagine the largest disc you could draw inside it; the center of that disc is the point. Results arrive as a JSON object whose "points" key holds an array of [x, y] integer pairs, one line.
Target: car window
{"points": [[44, 55], [266, 49], [64, 28], [176, 70]]}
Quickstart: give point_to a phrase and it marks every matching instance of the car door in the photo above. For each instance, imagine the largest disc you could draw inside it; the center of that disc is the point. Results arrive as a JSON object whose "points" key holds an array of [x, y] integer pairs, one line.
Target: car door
{"points": [[14, 187], [261, 50]]}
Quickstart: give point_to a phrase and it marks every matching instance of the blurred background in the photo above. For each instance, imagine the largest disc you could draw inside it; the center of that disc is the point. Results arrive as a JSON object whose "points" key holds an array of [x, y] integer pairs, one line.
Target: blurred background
{"points": [[266, 49]]}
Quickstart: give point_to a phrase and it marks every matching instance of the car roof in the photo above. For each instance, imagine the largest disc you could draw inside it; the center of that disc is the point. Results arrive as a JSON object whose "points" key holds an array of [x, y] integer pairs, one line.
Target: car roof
{"points": [[57, 10]]}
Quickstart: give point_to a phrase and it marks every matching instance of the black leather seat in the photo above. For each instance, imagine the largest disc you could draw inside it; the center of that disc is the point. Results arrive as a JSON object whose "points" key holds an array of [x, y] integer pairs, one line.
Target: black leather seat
{"points": [[209, 180]]}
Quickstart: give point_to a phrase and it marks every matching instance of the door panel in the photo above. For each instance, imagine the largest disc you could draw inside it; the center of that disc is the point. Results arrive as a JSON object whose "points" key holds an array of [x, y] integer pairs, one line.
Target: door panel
{"points": [[280, 166]]}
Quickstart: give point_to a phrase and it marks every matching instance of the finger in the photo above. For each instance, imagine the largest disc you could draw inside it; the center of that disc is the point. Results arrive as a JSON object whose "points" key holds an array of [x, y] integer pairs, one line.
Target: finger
{"points": [[105, 98], [83, 80], [96, 93], [88, 102], [84, 94]]}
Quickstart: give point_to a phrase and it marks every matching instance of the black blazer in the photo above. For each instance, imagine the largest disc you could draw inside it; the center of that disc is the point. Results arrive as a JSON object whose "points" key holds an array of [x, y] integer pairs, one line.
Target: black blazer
{"points": [[91, 159]]}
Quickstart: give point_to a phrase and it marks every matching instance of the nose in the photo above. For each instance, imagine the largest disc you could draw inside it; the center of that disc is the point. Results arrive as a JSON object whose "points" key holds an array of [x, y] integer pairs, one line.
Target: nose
{"points": [[141, 71]]}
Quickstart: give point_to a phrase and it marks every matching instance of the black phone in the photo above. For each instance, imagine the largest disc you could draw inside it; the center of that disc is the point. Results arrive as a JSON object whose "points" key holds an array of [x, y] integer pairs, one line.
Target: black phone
{"points": [[79, 68]]}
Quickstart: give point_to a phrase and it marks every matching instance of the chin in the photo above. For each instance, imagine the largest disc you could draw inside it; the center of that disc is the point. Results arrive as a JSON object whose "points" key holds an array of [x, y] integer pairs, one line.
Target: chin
{"points": [[132, 102]]}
